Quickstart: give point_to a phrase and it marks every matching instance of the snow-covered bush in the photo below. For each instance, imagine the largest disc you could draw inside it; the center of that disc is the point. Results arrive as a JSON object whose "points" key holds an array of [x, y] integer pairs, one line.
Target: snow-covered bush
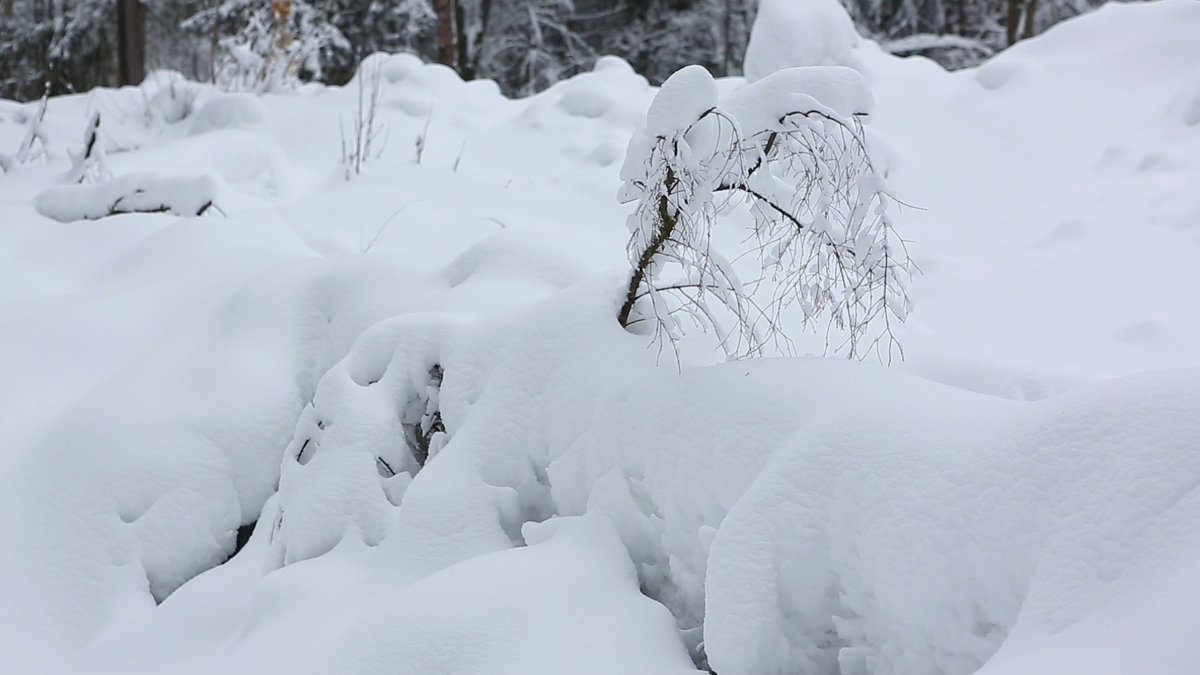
{"points": [[365, 142], [174, 99], [792, 147], [88, 165]]}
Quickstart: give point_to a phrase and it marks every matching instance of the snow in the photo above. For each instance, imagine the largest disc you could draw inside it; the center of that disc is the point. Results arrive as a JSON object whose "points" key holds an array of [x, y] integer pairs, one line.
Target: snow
{"points": [[790, 33], [230, 111], [683, 98], [1018, 496], [839, 90]]}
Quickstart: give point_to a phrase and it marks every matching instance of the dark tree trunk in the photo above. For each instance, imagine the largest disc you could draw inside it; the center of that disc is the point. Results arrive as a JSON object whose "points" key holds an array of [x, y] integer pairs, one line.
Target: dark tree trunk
{"points": [[447, 48], [131, 41], [727, 40], [463, 60], [1014, 19]]}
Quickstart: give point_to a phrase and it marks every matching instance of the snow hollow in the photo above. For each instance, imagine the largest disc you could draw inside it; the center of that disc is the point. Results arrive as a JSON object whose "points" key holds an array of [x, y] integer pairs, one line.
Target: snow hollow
{"points": [[272, 401]]}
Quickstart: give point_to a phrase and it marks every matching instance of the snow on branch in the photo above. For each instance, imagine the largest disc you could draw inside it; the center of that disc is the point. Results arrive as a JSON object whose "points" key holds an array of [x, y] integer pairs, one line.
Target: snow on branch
{"points": [[790, 146], [927, 41]]}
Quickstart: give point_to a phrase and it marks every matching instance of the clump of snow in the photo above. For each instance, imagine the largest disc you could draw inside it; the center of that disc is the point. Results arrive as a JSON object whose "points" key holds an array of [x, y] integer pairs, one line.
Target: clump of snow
{"points": [[789, 33], [838, 90], [681, 100]]}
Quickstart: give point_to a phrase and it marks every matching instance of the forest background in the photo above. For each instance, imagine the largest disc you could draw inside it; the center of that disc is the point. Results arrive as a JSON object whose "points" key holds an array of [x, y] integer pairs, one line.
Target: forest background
{"points": [[65, 46]]}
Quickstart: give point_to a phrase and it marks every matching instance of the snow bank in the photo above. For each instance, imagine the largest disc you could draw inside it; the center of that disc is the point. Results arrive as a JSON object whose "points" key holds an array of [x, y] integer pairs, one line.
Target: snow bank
{"points": [[231, 111]]}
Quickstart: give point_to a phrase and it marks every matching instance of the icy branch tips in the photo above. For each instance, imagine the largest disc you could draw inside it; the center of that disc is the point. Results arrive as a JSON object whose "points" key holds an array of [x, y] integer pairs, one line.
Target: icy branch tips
{"points": [[791, 149]]}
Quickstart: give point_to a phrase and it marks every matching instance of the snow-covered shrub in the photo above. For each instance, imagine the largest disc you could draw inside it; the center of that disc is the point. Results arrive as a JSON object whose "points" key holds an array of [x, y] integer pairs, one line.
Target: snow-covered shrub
{"points": [[175, 98], [374, 421], [792, 146], [88, 165], [365, 142], [36, 143]]}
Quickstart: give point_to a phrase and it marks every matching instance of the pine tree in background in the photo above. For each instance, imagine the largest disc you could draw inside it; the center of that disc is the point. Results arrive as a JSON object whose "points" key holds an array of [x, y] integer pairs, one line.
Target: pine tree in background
{"points": [[266, 45], [370, 27]]}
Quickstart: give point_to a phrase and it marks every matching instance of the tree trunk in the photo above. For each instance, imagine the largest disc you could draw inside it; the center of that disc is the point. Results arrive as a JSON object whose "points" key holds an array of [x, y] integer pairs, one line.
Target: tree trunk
{"points": [[131, 42], [1030, 13], [472, 66], [1014, 18], [727, 39], [463, 60], [447, 47]]}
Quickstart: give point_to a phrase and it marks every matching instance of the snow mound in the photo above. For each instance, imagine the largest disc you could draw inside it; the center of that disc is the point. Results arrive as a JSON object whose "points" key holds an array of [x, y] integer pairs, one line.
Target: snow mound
{"points": [[925, 542], [231, 111], [541, 609], [789, 33]]}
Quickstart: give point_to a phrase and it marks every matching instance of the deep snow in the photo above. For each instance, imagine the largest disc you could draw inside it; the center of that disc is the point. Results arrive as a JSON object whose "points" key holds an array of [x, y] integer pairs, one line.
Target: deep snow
{"points": [[1017, 497]]}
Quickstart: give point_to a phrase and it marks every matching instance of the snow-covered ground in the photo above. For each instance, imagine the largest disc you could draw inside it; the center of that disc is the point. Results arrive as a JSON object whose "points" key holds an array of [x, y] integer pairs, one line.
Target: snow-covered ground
{"points": [[1018, 496]]}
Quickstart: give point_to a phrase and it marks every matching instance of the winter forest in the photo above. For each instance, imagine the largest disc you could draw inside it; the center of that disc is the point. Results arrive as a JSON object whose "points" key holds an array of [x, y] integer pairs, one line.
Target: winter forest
{"points": [[523, 45], [522, 337]]}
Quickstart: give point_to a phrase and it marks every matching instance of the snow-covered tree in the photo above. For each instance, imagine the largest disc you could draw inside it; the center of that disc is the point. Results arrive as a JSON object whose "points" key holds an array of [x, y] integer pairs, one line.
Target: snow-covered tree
{"points": [[791, 147], [530, 44], [380, 26], [265, 45], [660, 36], [70, 44]]}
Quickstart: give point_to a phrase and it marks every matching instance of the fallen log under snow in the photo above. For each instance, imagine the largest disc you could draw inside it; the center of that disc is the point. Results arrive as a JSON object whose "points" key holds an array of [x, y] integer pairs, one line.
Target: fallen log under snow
{"points": [[133, 193]]}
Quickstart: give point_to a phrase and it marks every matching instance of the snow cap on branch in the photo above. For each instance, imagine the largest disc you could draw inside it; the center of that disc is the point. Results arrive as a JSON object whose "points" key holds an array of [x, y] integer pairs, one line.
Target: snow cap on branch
{"points": [[683, 98], [834, 90]]}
